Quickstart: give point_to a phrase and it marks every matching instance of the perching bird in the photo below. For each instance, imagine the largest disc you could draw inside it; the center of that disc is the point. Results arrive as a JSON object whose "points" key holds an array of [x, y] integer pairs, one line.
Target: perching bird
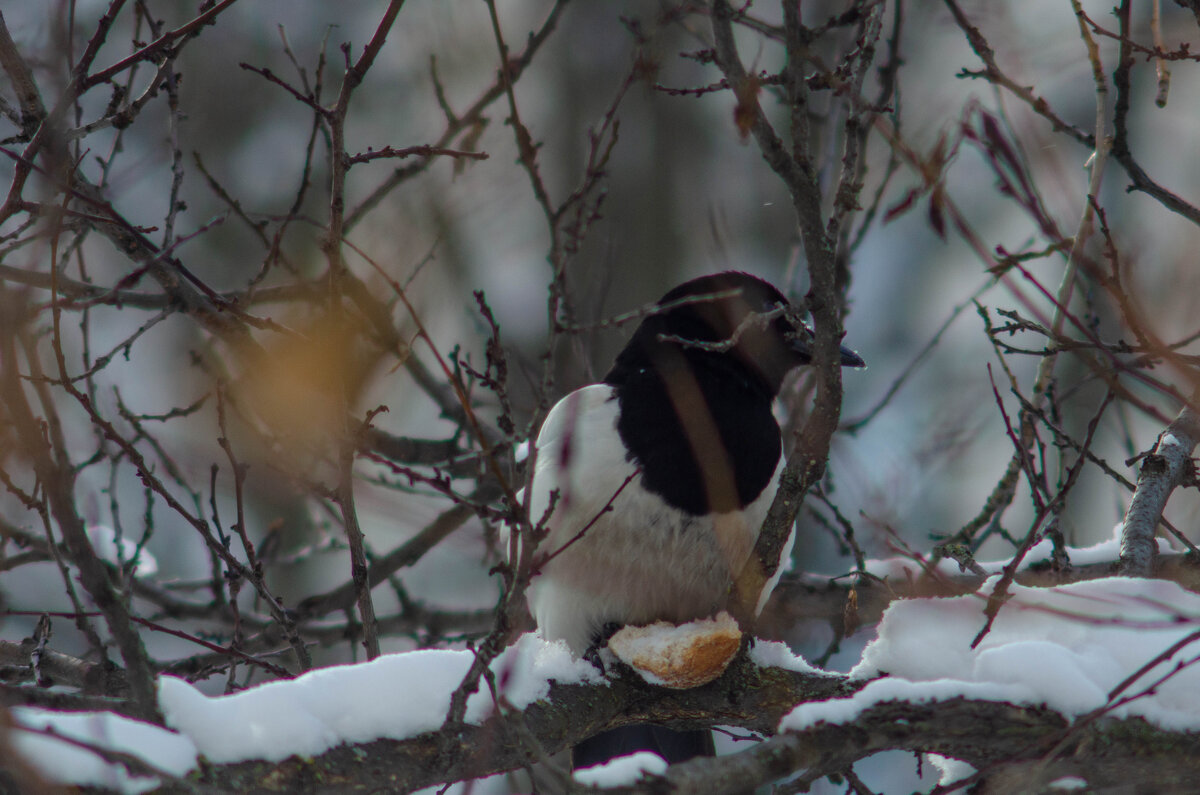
{"points": [[663, 474]]}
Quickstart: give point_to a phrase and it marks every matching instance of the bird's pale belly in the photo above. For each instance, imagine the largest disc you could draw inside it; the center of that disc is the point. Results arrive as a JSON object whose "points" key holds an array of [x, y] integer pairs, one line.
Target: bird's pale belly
{"points": [[657, 564]]}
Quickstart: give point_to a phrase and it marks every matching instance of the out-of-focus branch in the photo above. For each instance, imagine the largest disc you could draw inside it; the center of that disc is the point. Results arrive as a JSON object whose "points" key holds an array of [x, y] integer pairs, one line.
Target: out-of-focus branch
{"points": [[470, 119], [1001, 497], [424, 150], [405, 555], [63, 669], [28, 96], [1121, 149], [993, 74], [154, 49], [56, 474], [332, 245]]}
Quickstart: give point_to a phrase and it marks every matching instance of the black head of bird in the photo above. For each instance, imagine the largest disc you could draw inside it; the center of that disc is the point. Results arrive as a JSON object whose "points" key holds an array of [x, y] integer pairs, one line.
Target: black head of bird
{"points": [[730, 323]]}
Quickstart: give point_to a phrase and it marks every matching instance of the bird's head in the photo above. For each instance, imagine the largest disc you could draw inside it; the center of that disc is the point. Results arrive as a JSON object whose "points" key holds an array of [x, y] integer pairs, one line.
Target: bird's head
{"points": [[727, 321]]}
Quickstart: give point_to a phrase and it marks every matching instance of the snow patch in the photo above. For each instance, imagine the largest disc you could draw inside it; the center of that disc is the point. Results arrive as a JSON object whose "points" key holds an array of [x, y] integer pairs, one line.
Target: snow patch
{"points": [[61, 761], [395, 696], [624, 771], [773, 654], [1067, 647], [120, 550]]}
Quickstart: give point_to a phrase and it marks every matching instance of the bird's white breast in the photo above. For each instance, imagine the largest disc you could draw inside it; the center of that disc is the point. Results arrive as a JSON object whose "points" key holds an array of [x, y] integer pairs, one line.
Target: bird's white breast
{"points": [[641, 561]]}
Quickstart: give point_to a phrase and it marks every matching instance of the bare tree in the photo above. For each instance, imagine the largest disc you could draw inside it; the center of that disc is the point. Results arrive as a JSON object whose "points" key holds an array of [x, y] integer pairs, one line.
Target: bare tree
{"points": [[250, 388]]}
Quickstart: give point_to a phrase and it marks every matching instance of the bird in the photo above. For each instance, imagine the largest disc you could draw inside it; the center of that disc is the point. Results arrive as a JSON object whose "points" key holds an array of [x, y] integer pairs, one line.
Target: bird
{"points": [[652, 485]]}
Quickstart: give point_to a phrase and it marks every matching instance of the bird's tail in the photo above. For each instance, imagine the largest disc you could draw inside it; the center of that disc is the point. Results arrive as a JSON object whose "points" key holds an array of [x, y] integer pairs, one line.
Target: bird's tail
{"points": [[671, 745]]}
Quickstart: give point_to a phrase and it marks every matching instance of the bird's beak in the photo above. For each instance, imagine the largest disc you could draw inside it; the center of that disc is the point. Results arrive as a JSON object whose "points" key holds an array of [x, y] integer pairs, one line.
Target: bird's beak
{"points": [[848, 357]]}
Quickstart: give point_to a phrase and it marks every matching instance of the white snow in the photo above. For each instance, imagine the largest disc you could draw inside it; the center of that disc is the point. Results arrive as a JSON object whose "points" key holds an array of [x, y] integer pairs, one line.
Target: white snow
{"points": [[844, 710], [120, 550], [1041, 552], [786, 563], [624, 771], [61, 761], [773, 654], [1066, 647], [394, 696], [950, 770]]}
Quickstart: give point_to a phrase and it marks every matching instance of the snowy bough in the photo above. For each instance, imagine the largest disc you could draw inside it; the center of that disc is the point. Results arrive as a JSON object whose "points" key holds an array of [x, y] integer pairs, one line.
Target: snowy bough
{"points": [[1091, 682], [260, 436]]}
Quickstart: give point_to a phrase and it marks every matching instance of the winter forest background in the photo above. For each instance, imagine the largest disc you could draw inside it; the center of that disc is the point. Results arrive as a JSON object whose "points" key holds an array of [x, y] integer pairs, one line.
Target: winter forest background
{"points": [[286, 286]]}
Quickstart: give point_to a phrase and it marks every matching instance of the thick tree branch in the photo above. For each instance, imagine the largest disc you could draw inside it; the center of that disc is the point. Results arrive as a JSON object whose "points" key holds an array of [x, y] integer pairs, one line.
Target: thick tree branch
{"points": [[810, 448], [1164, 468]]}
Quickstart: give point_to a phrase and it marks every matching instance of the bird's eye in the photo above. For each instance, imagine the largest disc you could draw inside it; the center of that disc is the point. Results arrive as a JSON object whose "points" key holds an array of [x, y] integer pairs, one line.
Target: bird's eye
{"points": [[791, 324]]}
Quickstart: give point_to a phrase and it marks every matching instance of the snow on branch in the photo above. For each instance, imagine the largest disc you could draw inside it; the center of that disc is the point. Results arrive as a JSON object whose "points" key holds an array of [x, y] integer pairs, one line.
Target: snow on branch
{"points": [[1069, 681], [1164, 468]]}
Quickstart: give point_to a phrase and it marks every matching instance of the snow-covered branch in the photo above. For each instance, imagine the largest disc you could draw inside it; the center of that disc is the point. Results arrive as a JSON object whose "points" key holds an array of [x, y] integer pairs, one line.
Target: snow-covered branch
{"points": [[1165, 468], [1088, 680]]}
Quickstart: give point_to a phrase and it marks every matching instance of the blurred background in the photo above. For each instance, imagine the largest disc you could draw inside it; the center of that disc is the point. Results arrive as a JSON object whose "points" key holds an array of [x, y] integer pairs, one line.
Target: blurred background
{"points": [[684, 193]]}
